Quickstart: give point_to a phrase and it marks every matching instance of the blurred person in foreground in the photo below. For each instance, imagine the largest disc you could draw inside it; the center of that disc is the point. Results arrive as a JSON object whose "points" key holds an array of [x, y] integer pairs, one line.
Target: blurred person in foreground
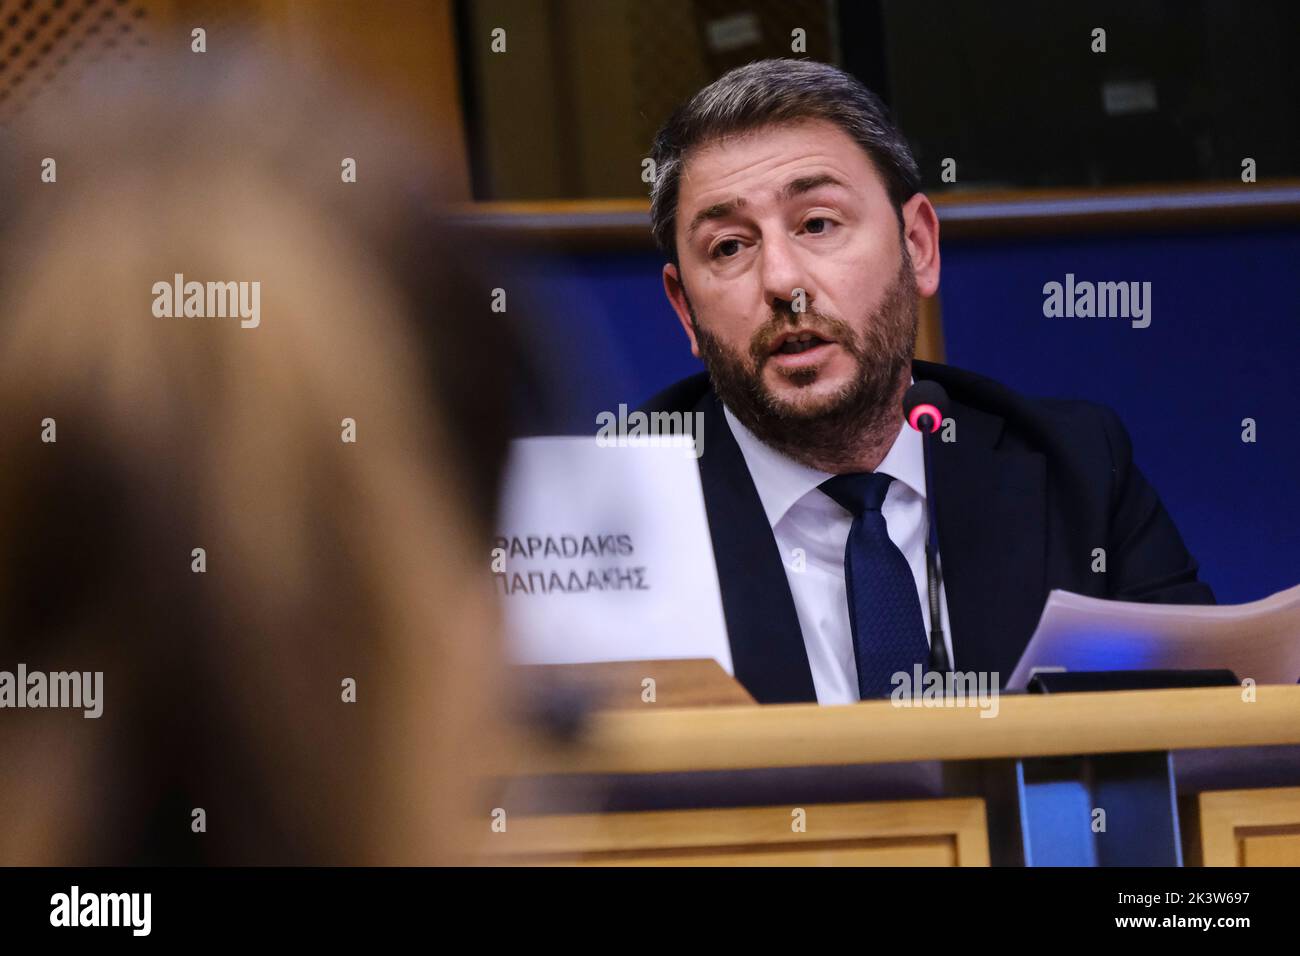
{"points": [[326, 560]]}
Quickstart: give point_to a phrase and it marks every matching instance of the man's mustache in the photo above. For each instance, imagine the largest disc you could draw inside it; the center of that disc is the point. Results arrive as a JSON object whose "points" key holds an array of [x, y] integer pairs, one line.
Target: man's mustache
{"points": [[783, 322]]}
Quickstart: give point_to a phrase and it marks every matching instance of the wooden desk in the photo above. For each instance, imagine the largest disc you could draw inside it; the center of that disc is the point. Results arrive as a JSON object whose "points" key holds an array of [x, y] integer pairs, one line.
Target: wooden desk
{"points": [[1031, 739]]}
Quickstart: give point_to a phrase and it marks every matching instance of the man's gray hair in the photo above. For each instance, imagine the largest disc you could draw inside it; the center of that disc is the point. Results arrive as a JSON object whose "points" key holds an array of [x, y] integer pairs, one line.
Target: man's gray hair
{"points": [[769, 92]]}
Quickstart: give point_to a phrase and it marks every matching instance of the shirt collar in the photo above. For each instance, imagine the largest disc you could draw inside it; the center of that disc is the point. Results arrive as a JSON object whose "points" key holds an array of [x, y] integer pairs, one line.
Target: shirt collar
{"points": [[781, 481]]}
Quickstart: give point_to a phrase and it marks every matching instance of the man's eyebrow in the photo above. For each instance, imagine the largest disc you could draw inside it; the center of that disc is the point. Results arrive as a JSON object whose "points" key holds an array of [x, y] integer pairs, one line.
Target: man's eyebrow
{"points": [[806, 184], [796, 187], [719, 210]]}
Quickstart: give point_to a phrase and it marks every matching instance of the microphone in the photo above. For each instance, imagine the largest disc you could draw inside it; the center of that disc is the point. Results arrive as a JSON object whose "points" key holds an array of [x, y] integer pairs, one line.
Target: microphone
{"points": [[923, 406]]}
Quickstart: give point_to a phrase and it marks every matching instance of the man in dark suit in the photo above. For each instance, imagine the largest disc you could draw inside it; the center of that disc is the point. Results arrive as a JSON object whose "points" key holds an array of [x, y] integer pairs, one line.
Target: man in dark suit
{"points": [[798, 245]]}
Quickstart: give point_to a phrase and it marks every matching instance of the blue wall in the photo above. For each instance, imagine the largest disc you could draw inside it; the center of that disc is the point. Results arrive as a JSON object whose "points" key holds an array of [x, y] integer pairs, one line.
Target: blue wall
{"points": [[1223, 345]]}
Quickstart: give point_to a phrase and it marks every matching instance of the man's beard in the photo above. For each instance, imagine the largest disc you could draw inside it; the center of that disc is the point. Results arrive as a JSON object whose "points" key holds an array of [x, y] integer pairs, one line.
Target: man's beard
{"points": [[830, 433]]}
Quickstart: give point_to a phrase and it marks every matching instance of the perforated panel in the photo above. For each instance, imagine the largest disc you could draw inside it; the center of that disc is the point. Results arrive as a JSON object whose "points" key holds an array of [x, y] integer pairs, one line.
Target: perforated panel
{"points": [[680, 46], [43, 43]]}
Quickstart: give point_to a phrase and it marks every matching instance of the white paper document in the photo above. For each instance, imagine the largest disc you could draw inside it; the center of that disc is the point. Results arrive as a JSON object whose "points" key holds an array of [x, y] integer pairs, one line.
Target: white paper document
{"points": [[1259, 640], [603, 554]]}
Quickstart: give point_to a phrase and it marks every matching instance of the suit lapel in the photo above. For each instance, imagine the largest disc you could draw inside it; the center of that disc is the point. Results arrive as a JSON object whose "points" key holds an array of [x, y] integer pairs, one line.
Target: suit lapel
{"points": [[991, 516], [767, 647], [991, 511]]}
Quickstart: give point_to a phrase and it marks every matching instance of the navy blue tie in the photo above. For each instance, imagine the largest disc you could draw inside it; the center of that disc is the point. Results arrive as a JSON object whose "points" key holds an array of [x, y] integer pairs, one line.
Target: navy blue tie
{"points": [[884, 610]]}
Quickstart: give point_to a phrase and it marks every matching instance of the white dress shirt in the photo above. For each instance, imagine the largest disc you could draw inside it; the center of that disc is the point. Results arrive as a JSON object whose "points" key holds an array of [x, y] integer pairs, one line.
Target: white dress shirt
{"points": [[811, 531]]}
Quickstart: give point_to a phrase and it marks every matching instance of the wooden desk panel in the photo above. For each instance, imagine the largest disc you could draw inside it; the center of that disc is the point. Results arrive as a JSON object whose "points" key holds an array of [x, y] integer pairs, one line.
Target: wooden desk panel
{"points": [[1250, 827], [948, 832]]}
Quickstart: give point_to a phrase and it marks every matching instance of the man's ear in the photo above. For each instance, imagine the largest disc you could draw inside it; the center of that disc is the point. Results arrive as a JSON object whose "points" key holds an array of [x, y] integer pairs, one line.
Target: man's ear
{"points": [[921, 238], [676, 293]]}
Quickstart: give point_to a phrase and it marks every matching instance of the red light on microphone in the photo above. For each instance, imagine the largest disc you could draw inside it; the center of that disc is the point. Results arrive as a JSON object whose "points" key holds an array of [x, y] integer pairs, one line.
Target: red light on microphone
{"points": [[922, 411]]}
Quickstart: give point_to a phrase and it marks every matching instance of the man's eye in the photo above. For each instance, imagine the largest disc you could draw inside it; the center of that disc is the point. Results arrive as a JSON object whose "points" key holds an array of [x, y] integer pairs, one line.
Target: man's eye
{"points": [[817, 226], [726, 248]]}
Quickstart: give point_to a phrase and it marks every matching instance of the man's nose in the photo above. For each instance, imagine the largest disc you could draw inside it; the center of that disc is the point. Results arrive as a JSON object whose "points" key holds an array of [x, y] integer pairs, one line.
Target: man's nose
{"points": [[783, 276]]}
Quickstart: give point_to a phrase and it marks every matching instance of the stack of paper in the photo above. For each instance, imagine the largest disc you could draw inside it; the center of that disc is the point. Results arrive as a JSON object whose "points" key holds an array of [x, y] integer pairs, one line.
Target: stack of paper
{"points": [[1259, 640]]}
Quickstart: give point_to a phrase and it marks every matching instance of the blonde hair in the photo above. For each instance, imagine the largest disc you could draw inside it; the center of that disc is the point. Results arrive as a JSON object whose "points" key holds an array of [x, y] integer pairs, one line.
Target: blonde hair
{"points": [[325, 559]]}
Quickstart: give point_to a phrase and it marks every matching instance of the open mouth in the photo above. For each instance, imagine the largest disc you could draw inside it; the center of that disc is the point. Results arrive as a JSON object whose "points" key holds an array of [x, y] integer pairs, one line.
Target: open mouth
{"points": [[796, 342]]}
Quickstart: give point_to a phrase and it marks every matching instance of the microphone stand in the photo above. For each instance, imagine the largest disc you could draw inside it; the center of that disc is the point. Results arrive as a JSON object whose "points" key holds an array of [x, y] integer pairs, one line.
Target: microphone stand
{"points": [[938, 645]]}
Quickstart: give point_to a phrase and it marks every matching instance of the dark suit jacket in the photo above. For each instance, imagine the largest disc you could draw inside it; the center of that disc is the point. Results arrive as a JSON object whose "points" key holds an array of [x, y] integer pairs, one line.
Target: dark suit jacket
{"points": [[1026, 492]]}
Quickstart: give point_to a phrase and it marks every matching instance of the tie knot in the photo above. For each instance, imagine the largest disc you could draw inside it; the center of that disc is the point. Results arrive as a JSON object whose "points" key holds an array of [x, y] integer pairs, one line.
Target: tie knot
{"points": [[858, 493]]}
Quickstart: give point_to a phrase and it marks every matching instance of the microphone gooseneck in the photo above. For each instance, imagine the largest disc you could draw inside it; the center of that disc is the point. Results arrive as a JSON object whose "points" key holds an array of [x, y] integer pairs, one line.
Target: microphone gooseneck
{"points": [[923, 406]]}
